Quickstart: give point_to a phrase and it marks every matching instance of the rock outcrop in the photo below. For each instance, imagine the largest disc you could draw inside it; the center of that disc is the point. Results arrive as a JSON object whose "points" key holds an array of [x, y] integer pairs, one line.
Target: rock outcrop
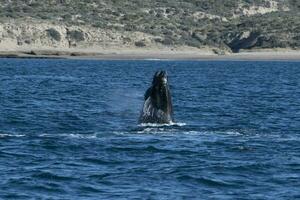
{"points": [[245, 40], [40, 35]]}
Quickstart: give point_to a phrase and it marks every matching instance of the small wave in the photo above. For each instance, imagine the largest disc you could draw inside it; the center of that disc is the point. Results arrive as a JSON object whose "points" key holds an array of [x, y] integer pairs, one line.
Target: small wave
{"points": [[232, 133], [195, 132], [89, 188], [205, 180], [100, 161], [71, 135], [15, 196], [121, 133], [51, 176], [81, 136], [204, 132], [46, 188], [166, 130], [3, 135]]}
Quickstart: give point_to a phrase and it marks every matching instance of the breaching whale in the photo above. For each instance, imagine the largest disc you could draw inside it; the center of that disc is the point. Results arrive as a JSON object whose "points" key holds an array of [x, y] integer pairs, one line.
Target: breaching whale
{"points": [[157, 107]]}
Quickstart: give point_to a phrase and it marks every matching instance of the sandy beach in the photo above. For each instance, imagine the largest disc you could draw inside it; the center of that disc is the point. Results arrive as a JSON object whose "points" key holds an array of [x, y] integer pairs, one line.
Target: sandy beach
{"points": [[151, 54]]}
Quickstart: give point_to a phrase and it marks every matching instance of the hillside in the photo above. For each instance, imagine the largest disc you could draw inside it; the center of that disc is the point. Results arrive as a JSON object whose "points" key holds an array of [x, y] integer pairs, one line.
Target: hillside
{"points": [[228, 26]]}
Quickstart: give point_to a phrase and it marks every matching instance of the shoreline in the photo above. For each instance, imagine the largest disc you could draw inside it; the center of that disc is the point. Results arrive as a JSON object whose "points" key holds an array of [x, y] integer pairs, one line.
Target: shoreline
{"points": [[153, 55]]}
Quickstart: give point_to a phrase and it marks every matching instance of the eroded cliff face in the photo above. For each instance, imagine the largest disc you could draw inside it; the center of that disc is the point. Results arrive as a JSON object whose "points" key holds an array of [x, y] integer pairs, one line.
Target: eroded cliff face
{"points": [[17, 35]]}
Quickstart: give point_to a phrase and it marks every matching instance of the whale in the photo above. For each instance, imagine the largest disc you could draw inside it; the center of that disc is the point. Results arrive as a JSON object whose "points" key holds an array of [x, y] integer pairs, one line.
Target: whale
{"points": [[157, 107]]}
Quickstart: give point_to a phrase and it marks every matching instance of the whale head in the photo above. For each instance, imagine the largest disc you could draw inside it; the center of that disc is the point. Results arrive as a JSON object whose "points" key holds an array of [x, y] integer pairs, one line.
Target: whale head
{"points": [[160, 78]]}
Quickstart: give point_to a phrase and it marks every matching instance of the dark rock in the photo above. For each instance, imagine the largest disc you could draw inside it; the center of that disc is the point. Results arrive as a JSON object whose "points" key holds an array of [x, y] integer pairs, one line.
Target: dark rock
{"points": [[140, 44], [245, 40]]}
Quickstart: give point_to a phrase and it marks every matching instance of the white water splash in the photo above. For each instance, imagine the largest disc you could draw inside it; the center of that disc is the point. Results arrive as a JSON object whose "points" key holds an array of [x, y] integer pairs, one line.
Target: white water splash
{"points": [[162, 125]]}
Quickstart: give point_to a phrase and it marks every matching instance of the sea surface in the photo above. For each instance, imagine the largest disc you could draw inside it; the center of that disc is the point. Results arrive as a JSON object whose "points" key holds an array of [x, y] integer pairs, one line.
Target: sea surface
{"points": [[68, 130]]}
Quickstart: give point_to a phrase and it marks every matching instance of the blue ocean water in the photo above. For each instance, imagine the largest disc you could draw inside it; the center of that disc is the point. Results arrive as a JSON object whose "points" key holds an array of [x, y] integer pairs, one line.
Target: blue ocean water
{"points": [[68, 130]]}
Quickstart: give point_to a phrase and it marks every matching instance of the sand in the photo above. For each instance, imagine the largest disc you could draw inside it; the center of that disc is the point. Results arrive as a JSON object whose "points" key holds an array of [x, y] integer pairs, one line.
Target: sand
{"points": [[152, 54]]}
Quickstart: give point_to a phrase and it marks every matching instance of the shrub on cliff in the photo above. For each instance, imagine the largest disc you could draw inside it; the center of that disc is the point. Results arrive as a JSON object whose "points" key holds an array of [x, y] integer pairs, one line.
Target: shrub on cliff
{"points": [[51, 32], [75, 35], [140, 44]]}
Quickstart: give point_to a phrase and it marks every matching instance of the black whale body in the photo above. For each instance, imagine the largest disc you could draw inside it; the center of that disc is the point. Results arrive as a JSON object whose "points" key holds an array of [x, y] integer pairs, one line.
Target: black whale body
{"points": [[157, 107]]}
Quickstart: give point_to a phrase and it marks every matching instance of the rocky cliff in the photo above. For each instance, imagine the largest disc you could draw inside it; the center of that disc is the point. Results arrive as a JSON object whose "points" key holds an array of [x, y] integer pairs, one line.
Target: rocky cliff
{"points": [[19, 34], [228, 26]]}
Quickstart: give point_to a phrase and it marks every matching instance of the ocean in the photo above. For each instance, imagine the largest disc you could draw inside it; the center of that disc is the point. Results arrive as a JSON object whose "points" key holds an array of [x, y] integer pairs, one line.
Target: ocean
{"points": [[69, 130]]}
